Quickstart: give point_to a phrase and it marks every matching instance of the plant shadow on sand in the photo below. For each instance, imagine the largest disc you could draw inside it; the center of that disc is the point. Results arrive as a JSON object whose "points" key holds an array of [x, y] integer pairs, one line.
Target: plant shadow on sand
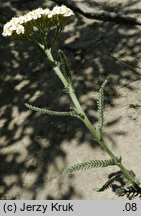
{"points": [[32, 153]]}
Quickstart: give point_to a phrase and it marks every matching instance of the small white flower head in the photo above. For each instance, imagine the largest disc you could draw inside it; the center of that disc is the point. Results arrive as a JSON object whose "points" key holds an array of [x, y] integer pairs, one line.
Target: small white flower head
{"points": [[24, 19], [34, 14], [15, 20], [12, 27], [61, 10], [20, 29], [46, 11]]}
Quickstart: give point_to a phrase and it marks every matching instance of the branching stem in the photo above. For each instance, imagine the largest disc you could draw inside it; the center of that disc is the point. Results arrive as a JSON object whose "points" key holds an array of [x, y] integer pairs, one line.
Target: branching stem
{"points": [[86, 121]]}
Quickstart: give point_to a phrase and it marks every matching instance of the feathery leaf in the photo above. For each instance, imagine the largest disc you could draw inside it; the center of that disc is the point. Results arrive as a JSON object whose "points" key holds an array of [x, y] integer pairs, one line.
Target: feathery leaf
{"points": [[130, 192], [100, 104], [65, 65], [109, 183], [51, 112], [90, 164]]}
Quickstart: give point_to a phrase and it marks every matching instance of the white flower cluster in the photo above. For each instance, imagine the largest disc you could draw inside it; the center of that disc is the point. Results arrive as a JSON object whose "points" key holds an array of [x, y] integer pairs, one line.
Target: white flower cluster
{"points": [[17, 24], [62, 10], [11, 27]]}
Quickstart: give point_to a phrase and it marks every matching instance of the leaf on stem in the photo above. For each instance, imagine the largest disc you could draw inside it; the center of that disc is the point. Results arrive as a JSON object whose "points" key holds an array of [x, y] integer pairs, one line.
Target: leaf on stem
{"points": [[51, 112], [109, 183], [65, 65], [121, 186], [100, 104], [90, 164]]}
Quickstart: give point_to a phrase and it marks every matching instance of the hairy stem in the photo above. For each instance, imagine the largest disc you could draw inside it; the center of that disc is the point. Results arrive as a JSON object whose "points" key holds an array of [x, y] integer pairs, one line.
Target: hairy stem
{"points": [[86, 121], [58, 31]]}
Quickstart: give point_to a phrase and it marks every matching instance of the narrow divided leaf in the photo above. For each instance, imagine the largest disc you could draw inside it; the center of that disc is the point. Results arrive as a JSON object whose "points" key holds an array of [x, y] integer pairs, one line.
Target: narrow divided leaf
{"points": [[51, 112], [109, 183], [130, 192], [90, 164], [65, 65], [121, 186], [100, 104]]}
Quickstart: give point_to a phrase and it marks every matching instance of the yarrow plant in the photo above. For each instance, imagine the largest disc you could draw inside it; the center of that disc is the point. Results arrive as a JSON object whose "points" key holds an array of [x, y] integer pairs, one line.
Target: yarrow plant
{"points": [[35, 27]]}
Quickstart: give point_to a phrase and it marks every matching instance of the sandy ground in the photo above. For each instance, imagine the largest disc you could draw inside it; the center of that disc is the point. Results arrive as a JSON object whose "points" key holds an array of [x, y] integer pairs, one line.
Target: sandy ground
{"points": [[34, 149]]}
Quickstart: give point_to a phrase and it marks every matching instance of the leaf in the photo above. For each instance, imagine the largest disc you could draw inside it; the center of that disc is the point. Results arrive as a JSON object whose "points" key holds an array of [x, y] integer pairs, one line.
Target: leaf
{"points": [[100, 104], [65, 65], [90, 164], [51, 112], [109, 183], [130, 192]]}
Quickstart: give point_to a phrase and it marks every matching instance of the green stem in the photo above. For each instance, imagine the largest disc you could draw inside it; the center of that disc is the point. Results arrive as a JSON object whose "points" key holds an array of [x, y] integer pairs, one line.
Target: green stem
{"points": [[35, 43], [55, 67], [101, 141], [58, 31], [86, 121]]}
